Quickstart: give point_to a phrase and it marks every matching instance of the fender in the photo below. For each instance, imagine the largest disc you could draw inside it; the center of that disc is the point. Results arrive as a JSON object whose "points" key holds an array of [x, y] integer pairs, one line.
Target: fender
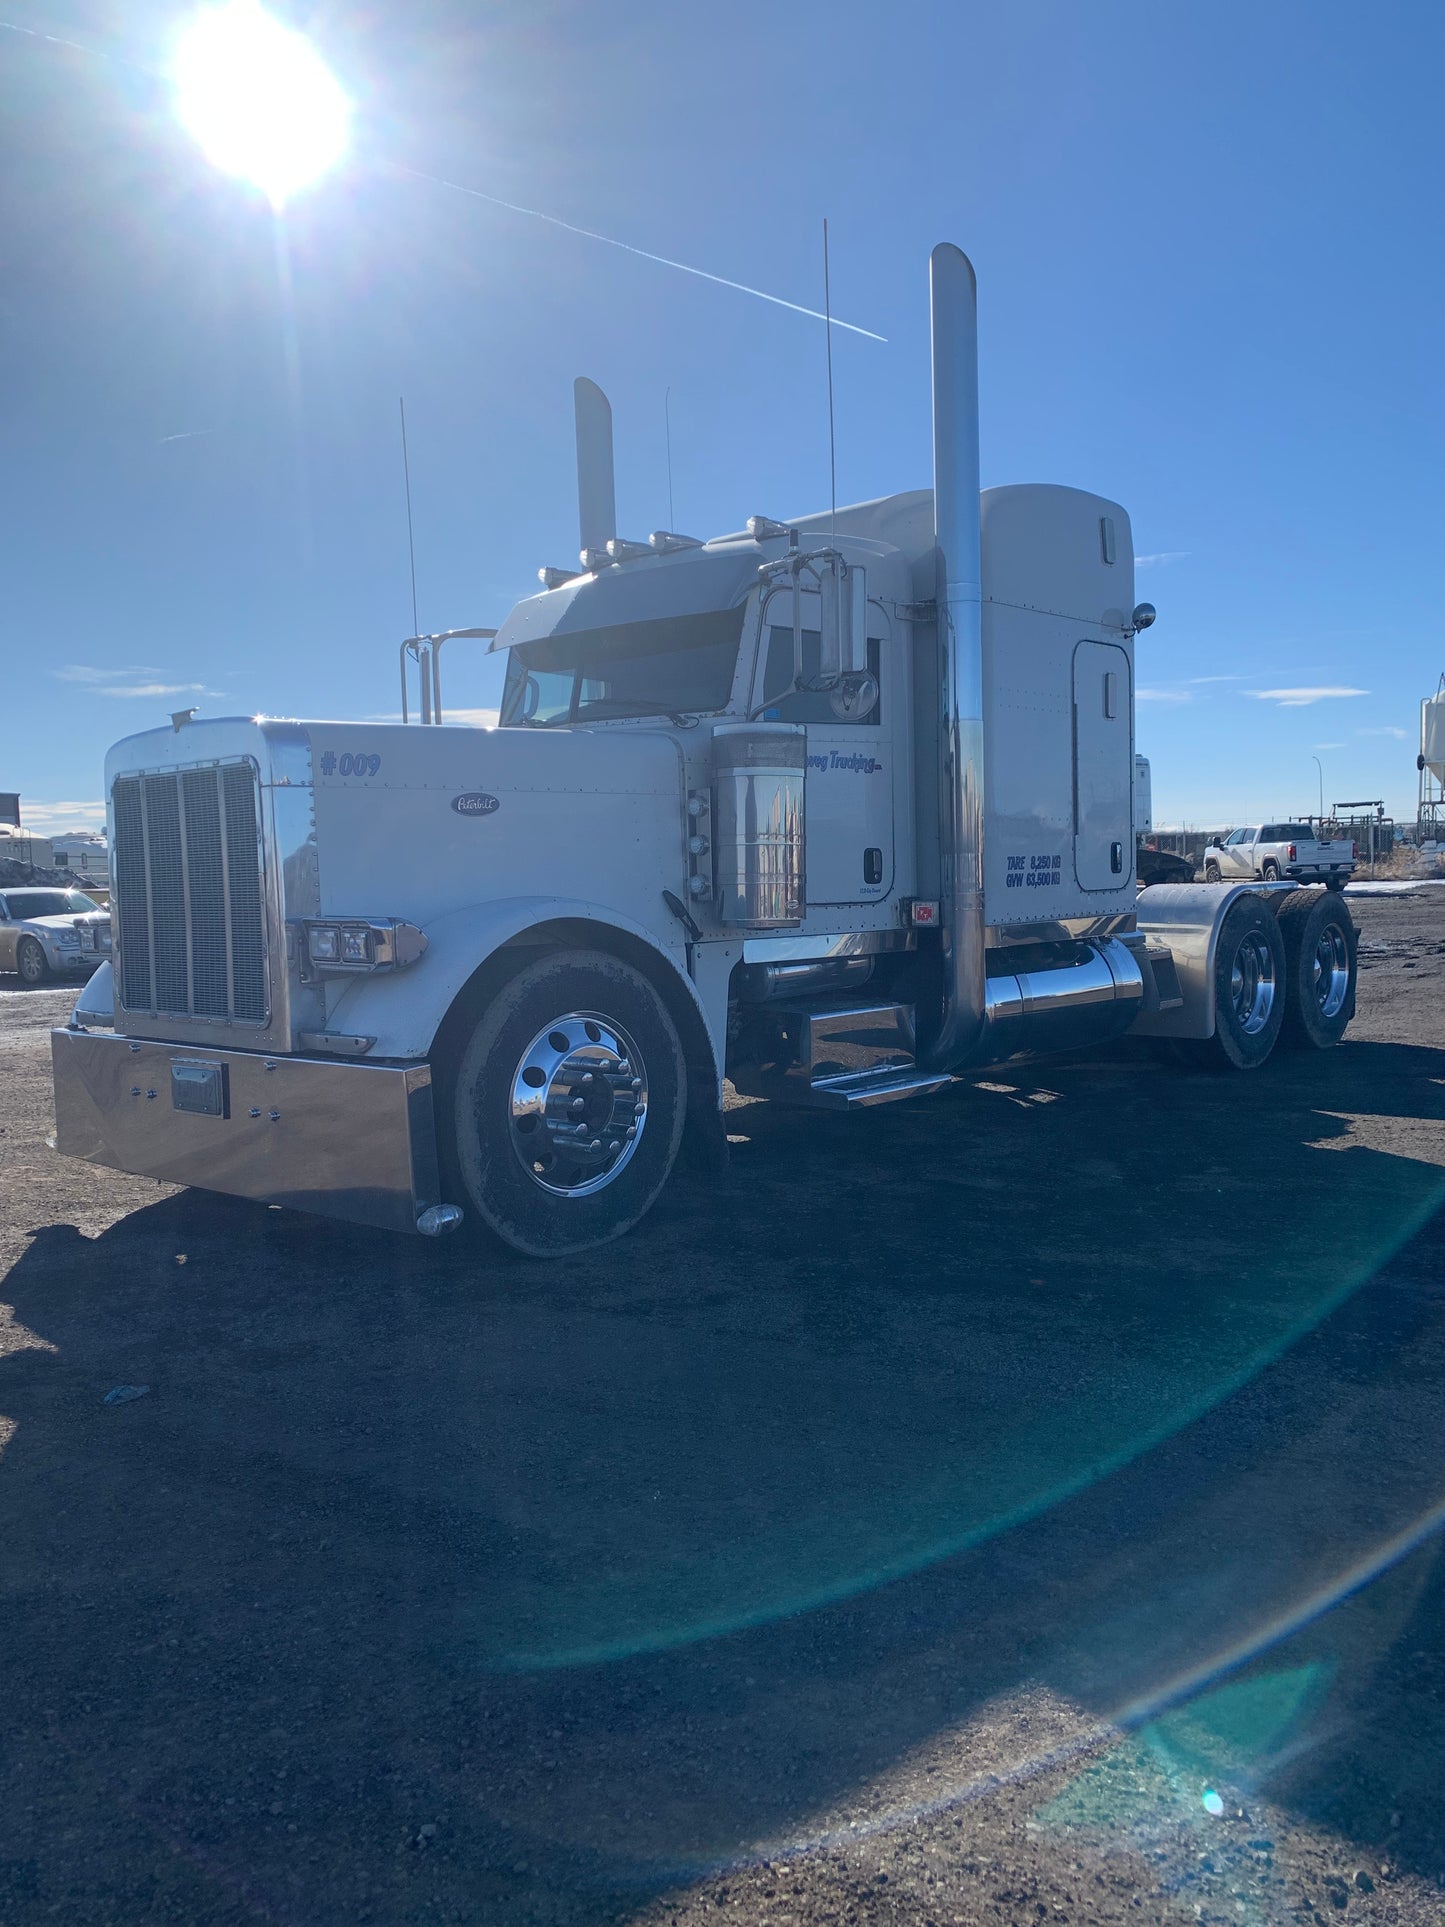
{"points": [[404, 1012], [96, 1003], [1186, 918]]}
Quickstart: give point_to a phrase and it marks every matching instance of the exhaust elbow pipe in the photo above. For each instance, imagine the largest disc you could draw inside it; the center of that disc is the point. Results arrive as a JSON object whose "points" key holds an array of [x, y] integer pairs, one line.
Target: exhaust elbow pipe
{"points": [[953, 297]]}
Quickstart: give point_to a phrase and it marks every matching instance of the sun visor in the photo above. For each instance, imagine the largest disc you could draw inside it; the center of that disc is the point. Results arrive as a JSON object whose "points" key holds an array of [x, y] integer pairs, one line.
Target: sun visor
{"points": [[689, 585]]}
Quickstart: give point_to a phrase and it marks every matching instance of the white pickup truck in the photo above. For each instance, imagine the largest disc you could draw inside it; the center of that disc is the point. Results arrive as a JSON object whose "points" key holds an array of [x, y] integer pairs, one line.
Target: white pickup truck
{"points": [[1273, 852]]}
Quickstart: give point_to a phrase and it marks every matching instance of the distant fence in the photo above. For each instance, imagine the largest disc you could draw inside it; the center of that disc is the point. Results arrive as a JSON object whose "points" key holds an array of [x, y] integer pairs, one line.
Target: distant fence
{"points": [[1373, 834]]}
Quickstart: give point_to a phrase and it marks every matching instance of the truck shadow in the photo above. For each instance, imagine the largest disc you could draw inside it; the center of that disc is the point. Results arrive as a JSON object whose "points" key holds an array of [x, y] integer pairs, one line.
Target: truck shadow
{"points": [[622, 1569]]}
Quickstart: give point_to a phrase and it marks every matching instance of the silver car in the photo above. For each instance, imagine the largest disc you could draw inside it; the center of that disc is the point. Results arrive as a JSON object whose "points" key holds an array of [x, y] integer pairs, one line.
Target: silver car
{"points": [[46, 931]]}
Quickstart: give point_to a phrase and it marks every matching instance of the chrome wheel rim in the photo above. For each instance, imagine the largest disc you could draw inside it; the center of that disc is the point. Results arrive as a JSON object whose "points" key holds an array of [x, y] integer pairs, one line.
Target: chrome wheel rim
{"points": [[578, 1104], [32, 962], [1252, 983], [1331, 968]]}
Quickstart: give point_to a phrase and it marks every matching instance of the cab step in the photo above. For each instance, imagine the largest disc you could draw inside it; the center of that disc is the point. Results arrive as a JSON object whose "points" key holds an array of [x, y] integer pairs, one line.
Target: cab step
{"points": [[851, 1052]]}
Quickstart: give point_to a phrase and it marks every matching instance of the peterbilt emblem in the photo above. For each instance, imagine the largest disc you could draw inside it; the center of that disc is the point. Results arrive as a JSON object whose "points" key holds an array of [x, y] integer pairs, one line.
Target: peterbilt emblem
{"points": [[475, 803]]}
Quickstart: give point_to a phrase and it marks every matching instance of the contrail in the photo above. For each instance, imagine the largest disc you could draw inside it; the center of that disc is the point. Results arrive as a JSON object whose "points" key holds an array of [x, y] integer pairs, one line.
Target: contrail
{"points": [[54, 39], [75, 46], [188, 435], [663, 260]]}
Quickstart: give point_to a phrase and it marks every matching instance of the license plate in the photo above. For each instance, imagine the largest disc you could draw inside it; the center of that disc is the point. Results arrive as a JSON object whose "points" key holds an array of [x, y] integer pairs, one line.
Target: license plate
{"points": [[199, 1088]]}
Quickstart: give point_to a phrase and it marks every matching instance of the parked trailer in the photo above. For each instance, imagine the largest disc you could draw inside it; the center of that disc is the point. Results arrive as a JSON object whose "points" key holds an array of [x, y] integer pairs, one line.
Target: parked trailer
{"points": [[838, 808]]}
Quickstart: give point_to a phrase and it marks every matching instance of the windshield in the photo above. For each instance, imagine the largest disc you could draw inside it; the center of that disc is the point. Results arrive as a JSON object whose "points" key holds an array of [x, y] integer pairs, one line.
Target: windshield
{"points": [[674, 666], [48, 903]]}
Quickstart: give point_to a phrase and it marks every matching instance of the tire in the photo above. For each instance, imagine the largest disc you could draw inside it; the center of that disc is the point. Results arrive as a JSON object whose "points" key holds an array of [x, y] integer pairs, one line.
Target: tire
{"points": [[576, 1027], [1337, 884], [1270, 873], [1249, 987], [1320, 946], [30, 962], [1211, 873]]}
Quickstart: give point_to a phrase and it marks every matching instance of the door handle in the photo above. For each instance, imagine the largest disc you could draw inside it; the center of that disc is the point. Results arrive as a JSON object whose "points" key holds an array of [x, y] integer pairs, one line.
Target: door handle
{"points": [[1116, 858]]}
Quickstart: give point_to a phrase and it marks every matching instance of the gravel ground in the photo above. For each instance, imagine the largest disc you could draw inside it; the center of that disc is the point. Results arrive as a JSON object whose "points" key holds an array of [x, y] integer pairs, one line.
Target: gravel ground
{"points": [[1014, 1507]]}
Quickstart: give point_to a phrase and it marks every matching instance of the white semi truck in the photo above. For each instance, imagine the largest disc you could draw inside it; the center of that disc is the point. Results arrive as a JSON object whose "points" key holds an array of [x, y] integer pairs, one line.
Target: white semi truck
{"points": [[836, 808]]}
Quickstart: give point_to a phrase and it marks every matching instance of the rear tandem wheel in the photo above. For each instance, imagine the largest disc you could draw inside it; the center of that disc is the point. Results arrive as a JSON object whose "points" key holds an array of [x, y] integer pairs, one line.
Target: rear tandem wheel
{"points": [[1249, 991], [1320, 946]]}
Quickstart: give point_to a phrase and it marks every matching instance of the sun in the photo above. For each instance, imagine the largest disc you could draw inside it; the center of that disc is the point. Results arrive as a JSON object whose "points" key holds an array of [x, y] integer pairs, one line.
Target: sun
{"points": [[259, 99]]}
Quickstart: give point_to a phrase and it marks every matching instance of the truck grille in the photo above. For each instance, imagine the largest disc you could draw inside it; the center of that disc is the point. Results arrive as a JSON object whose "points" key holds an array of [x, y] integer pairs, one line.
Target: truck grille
{"points": [[190, 931]]}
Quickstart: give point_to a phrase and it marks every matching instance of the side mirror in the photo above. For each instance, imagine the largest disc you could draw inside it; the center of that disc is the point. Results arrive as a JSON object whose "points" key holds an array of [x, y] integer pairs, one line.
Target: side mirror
{"points": [[843, 641], [854, 695]]}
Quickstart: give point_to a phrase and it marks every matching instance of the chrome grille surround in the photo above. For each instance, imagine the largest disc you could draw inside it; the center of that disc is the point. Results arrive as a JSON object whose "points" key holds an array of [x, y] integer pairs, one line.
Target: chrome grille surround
{"points": [[190, 912]]}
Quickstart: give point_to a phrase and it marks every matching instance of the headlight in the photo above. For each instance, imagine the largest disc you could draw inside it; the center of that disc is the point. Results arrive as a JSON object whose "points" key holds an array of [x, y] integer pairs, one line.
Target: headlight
{"points": [[67, 940], [361, 944]]}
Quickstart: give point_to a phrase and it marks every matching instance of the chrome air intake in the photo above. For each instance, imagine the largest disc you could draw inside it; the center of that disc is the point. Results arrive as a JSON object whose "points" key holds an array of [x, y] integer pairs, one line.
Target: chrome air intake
{"points": [[758, 822]]}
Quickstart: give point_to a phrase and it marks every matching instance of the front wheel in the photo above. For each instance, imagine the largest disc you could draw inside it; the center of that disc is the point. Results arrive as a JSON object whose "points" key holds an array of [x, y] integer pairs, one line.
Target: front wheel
{"points": [[569, 1104], [1211, 873], [30, 961]]}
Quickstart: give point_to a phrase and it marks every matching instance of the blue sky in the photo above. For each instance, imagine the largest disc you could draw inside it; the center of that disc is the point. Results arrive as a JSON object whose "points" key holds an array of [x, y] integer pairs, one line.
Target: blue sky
{"points": [[1210, 287]]}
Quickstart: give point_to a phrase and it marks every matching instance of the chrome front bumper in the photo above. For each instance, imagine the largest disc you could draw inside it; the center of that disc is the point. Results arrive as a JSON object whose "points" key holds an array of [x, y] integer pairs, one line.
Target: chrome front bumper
{"points": [[353, 1141]]}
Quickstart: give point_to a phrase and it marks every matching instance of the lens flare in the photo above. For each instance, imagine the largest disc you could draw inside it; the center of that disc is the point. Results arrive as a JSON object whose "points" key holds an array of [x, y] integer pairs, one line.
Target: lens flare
{"points": [[259, 99]]}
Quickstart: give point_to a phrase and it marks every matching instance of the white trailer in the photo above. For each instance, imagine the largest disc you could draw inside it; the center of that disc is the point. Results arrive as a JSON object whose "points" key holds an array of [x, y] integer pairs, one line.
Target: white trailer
{"points": [[839, 808]]}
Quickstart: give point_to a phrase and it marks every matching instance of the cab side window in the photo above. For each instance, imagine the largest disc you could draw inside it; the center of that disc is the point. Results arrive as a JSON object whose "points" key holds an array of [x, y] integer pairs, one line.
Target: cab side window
{"points": [[809, 706]]}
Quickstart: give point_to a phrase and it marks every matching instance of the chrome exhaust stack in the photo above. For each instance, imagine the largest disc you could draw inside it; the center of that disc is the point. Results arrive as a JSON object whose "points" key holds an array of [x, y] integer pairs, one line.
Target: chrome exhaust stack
{"points": [[953, 300], [1092, 991], [596, 489]]}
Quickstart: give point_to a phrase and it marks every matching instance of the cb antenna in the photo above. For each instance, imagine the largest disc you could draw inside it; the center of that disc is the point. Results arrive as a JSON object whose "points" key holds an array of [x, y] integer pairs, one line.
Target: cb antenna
{"points": [[667, 422], [410, 542], [828, 336]]}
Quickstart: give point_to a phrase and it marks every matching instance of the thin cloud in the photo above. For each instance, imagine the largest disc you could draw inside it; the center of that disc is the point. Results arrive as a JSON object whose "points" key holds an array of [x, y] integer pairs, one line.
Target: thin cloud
{"points": [[462, 718], [134, 681], [1384, 729], [1302, 698], [1163, 556], [82, 672], [1327, 745], [45, 818], [1163, 696], [1195, 680], [188, 435], [157, 689]]}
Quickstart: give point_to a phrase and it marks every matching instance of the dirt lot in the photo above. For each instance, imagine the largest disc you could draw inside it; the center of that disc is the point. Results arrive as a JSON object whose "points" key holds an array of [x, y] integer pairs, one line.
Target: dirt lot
{"points": [[1020, 1506]]}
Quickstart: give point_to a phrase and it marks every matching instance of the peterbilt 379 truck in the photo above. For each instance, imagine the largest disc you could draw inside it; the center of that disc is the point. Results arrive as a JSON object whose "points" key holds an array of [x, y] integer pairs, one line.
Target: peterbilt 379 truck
{"points": [[837, 808]]}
